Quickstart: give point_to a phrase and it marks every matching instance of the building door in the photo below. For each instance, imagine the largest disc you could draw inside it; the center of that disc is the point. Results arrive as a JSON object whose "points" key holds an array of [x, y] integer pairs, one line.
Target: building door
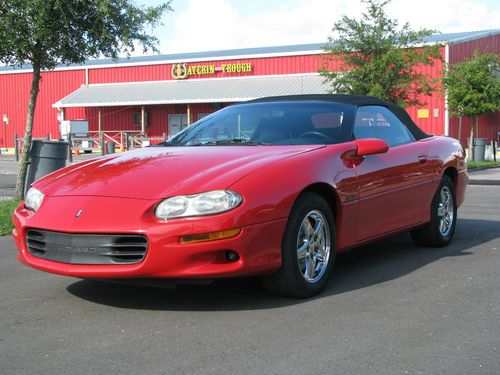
{"points": [[176, 123]]}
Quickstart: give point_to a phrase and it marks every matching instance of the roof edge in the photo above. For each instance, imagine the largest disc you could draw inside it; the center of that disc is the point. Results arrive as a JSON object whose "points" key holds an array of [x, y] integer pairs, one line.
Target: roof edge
{"points": [[254, 52]]}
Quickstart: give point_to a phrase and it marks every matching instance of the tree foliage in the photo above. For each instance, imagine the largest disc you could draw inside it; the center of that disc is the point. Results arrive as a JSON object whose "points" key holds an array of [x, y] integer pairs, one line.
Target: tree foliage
{"points": [[472, 86], [47, 33], [378, 58], [473, 89]]}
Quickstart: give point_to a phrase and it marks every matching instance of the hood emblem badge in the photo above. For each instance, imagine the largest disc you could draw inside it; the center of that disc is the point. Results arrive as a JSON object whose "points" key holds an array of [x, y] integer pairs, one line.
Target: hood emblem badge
{"points": [[79, 213]]}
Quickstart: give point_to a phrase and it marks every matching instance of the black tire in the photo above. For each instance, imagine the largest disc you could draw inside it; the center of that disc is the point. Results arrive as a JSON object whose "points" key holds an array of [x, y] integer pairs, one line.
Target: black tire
{"points": [[290, 280], [431, 234]]}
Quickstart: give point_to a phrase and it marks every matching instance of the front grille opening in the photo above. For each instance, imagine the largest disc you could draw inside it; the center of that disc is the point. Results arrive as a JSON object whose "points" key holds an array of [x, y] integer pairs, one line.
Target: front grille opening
{"points": [[127, 249], [76, 248], [36, 242]]}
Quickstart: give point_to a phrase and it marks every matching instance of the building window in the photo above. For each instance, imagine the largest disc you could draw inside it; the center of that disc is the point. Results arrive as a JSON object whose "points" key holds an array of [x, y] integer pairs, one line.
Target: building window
{"points": [[201, 115], [137, 119]]}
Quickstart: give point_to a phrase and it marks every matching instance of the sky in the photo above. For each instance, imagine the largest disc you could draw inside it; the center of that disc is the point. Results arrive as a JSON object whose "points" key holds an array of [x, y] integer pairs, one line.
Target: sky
{"points": [[209, 25]]}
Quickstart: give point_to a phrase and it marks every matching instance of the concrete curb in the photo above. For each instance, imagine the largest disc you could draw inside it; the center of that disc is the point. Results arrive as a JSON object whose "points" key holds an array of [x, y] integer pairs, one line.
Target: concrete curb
{"points": [[484, 182], [482, 169]]}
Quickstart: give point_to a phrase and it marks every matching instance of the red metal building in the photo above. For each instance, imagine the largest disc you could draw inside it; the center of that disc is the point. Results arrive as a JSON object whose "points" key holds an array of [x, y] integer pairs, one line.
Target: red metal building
{"points": [[164, 93]]}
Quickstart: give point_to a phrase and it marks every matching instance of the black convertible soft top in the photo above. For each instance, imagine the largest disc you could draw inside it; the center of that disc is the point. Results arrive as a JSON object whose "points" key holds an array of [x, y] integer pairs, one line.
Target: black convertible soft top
{"points": [[356, 100]]}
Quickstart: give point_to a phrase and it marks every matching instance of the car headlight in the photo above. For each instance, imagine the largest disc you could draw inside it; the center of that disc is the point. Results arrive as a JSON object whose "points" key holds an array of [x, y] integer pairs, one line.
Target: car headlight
{"points": [[33, 199], [209, 203]]}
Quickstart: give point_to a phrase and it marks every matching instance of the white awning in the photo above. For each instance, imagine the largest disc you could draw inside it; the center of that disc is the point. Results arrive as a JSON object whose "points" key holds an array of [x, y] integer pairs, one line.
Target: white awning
{"points": [[191, 91]]}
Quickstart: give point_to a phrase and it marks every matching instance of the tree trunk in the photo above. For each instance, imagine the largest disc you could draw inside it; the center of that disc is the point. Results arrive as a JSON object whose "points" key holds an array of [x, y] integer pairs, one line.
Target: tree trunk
{"points": [[460, 128], [471, 140], [23, 166], [477, 127]]}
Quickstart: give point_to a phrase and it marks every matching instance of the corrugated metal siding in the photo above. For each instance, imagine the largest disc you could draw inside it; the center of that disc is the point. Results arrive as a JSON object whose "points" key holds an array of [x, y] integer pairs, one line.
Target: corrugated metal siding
{"points": [[14, 91], [75, 114], [14, 99], [462, 51], [489, 125], [129, 74], [15, 88], [261, 66], [304, 49], [434, 103]]}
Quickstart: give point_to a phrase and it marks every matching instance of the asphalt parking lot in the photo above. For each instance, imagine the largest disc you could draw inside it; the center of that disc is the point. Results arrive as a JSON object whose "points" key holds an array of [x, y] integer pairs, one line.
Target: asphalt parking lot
{"points": [[390, 308]]}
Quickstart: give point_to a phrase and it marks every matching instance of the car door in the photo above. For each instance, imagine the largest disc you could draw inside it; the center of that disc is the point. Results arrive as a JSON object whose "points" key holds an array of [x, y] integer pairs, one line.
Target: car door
{"points": [[393, 187]]}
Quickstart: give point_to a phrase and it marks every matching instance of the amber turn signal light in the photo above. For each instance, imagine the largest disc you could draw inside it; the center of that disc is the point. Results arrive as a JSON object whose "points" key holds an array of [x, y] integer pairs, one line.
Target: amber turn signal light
{"points": [[210, 236]]}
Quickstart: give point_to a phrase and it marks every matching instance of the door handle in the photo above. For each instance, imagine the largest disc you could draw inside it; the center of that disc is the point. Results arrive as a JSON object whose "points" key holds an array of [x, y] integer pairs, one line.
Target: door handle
{"points": [[422, 158]]}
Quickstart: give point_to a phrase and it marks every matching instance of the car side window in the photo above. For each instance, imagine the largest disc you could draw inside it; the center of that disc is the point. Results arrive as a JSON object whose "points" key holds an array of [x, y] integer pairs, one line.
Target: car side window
{"points": [[380, 122]]}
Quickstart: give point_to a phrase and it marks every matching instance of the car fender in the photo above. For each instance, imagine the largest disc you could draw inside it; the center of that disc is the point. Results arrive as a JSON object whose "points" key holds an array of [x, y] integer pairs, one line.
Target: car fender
{"points": [[270, 192]]}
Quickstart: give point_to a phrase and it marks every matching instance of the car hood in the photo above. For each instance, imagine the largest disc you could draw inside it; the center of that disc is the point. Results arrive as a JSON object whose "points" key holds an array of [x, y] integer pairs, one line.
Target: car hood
{"points": [[158, 172]]}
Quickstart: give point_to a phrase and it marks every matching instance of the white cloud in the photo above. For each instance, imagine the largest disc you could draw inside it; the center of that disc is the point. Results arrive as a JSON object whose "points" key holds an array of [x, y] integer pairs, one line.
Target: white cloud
{"points": [[446, 15], [216, 24]]}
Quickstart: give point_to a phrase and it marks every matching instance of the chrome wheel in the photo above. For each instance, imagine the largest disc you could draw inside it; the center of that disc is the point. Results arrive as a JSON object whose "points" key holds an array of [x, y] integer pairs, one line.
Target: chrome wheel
{"points": [[445, 211], [307, 249], [313, 246]]}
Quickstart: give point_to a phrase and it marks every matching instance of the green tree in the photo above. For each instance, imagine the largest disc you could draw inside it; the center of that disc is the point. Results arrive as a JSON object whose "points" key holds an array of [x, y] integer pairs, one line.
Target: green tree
{"points": [[473, 89], [46, 33], [378, 58]]}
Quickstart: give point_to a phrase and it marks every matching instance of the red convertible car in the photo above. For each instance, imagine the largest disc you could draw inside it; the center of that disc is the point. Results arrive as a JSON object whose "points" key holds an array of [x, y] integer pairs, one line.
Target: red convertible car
{"points": [[274, 187]]}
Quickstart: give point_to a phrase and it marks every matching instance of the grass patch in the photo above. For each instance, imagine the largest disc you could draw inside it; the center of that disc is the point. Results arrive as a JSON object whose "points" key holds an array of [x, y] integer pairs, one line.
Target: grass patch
{"points": [[472, 164], [6, 209]]}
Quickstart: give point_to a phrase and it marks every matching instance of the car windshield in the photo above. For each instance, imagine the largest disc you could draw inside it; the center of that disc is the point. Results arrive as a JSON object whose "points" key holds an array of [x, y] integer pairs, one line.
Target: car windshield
{"points": [[271, 123]]}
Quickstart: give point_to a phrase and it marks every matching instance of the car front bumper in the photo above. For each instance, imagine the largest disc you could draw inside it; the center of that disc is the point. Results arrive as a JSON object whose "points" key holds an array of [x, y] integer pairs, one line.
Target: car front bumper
{"points": [[258, 246]]}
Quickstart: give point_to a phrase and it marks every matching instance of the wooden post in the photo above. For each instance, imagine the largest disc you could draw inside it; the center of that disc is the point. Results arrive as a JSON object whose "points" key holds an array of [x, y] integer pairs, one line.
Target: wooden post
{"points": [[99, 121], [99, 124], [101, 139], [164, 136], [99, 128], [239, 126], [188, 115], [143, 121], [471, 141]]}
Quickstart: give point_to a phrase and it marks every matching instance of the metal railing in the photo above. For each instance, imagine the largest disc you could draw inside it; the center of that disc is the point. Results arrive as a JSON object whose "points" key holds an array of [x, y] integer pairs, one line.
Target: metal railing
{"points": [[138, 141], [97, 140]]}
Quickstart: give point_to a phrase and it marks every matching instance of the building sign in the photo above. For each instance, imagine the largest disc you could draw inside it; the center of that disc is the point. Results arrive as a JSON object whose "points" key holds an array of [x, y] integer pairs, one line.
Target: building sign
{"points": [[183, 70], [423, 113]]}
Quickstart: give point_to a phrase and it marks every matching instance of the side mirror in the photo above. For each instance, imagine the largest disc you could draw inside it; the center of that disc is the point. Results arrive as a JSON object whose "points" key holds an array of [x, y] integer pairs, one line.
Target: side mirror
{"points": [[370, 146]]}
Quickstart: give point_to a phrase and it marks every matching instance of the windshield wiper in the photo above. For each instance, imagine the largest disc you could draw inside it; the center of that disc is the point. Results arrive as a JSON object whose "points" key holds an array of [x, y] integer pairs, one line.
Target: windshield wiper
{"points": [[235, 141]]}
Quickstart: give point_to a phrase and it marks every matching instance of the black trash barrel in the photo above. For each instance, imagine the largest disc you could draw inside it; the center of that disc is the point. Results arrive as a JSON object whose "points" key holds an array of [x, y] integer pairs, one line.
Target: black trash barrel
{"points": [[45, 157], [111, 148]]}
